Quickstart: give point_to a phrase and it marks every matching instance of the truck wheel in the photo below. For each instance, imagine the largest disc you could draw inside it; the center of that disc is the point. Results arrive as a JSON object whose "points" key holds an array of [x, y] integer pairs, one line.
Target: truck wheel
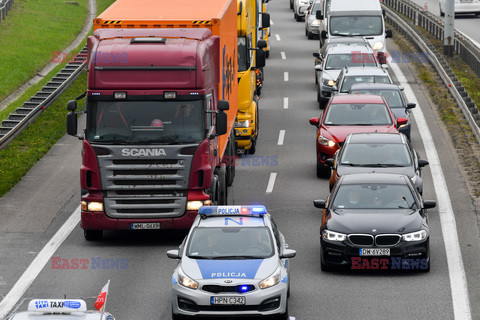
{"points": [[92, 235], [222, 186]]}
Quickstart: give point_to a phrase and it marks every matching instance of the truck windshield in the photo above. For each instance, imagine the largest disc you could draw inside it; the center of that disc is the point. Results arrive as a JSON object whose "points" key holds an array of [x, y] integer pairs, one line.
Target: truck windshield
{"points": [[356, 26], [130, 122]]}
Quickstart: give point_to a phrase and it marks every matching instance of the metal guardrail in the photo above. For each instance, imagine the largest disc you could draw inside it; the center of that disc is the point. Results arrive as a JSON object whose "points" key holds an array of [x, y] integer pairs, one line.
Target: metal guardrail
{"points": [[465, 48], [468, 107], [18, 120], [5, 6]]}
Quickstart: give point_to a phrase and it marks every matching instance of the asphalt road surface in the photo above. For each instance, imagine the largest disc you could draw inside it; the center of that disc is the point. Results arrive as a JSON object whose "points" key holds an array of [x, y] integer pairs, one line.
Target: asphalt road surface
{"points": [[281, 176]]}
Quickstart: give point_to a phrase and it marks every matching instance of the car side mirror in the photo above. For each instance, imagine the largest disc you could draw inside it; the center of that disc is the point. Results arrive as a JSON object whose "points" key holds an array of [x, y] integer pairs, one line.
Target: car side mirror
{"points": [[388, 33], [319, 204], [316, 55], [288, 253], [314, 122], [323, 34], [319, 15], [329, 162], [318, 67], [428, 204], [173, 254], [422, 163], [411, 105], [401, 121]]}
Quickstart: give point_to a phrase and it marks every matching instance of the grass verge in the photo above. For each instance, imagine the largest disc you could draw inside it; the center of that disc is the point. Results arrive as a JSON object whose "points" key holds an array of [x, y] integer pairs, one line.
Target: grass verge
{"points": [[33, 31], [463, 140]]}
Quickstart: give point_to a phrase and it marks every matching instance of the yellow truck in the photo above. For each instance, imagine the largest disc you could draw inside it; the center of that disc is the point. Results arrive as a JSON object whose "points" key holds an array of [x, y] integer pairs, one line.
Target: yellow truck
{"points": [[251, 57]]}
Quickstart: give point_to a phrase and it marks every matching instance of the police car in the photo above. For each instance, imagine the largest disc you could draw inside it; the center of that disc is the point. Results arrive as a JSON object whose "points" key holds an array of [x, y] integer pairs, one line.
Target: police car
{"points": [[233, 262], [39, 309]]}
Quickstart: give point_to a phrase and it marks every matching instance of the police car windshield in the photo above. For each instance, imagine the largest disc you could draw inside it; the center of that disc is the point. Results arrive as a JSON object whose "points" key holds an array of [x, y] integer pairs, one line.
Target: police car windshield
{"points": [[230, 243]]}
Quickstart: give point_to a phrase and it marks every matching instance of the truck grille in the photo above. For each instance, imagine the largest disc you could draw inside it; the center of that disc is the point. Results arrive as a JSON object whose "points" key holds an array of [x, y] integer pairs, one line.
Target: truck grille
{"points": [[145, 187]]}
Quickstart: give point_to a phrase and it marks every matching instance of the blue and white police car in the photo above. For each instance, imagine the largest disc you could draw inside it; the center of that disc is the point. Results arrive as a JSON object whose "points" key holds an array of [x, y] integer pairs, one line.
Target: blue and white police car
{"points": [[233, 262], [64, 309]]}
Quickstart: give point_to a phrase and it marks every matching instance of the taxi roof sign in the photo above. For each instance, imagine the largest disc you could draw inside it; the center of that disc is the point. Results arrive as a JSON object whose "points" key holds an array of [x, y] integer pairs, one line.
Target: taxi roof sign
{"points": [[57, 305], [232, 210]]}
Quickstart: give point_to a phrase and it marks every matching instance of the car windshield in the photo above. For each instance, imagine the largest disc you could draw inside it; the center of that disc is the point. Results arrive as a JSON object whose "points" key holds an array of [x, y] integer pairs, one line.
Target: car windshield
{"points": [[230, 243], [393, 97], [130, 122], [356, 25], [376, 155], [354, 59], [361, 114], [374, 196], [351, 80]]}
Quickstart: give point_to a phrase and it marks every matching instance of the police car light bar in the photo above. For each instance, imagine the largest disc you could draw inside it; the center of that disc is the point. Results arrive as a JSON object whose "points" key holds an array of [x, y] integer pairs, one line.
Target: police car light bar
{"points": [[232, 210], [57, 305]]}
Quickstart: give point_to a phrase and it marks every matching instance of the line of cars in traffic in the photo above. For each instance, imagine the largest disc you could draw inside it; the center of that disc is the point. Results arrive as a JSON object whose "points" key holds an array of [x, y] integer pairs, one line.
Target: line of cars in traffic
{"points": [[375, 216]]}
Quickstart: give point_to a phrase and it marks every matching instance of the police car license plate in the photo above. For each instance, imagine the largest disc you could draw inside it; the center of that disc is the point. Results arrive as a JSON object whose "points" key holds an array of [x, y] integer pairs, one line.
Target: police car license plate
{"points": [[228, 300], [153, 225], [375, 252]]}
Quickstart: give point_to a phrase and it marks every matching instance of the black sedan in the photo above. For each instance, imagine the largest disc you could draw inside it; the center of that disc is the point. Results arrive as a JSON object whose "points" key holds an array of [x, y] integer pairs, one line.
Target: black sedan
{"points": [[377, 152], [374, 221], [395, 99]]}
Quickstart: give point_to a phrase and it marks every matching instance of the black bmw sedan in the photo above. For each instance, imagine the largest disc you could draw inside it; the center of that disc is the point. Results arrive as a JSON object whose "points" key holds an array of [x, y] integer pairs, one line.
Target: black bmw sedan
{"points": [[374, 221]]}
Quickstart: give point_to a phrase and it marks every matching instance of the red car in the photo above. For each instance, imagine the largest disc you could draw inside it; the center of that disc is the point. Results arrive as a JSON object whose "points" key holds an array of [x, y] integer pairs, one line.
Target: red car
{"points": [[350, 113]]}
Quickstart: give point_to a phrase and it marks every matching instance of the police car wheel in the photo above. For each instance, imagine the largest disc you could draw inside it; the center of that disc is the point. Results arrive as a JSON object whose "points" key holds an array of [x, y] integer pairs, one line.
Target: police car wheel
{"points": [[92, 235]]}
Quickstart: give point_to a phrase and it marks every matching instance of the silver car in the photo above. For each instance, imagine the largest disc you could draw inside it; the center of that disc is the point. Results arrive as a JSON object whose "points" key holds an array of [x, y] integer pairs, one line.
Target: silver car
{"points": [[300, 8], [233, 262], [312, 24], [64, 309]]}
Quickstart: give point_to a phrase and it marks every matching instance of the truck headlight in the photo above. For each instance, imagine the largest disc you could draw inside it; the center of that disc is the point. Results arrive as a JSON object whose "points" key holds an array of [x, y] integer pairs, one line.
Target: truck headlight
{"points": [[196, 204], [185, 281], [328, 82], [91, 206], [378, 46], [326, 142], [242, 124], [415, 236], [333, 236], [271, 281]]}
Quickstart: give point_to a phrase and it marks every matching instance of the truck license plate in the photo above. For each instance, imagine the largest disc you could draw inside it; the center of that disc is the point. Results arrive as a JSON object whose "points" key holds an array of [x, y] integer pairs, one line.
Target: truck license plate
{"points": [[375, 252], [146, 226], [228, 300]]}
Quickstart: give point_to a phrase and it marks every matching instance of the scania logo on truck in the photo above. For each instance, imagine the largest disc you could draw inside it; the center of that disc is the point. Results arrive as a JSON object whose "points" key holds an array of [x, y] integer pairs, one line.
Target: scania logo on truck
{"points": [[143, 152]]}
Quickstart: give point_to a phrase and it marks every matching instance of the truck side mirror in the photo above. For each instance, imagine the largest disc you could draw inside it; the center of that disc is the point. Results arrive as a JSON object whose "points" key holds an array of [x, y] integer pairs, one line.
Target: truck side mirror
{"points": [[72, 105], [261, 44], [260, 58], [319, 15], [221, 127], [316, 55], [265, 20], [223, 105], [72, 123], [323, 34]]}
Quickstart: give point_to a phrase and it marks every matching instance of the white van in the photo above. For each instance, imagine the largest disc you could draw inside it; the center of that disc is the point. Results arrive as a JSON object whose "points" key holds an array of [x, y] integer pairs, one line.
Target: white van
{"points": [[351, 18]]}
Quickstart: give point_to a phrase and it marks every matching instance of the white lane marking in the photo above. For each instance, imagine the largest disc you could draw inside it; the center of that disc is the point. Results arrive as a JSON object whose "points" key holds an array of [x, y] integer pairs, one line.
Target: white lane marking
{"points": [[281, 137], [271, 182], [283, 55], [285, 103], [277, 36], [285, 76], [38, 264], [456, 271]]}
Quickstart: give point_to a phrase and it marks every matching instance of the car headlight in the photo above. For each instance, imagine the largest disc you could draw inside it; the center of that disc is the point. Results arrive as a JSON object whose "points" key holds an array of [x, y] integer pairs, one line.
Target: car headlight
{"points": [[185, 281], [92, 206], [378, 45], [326, 142], [316, 23], [333, 236], [328, 82], [271, 281], [242, 124], [415, 236]]}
